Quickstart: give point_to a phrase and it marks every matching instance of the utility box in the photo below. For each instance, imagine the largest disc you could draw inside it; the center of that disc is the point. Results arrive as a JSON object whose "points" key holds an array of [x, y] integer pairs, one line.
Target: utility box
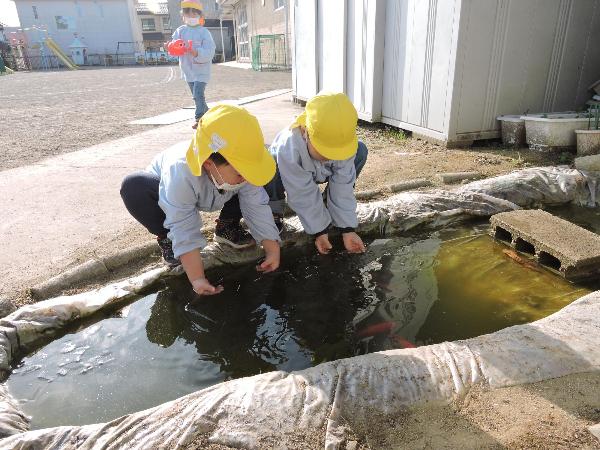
{"points": [[445, 69]]}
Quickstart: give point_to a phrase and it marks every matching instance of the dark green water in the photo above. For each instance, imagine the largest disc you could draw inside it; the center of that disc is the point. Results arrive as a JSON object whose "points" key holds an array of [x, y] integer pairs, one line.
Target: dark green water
{"points": [[414, 290]]}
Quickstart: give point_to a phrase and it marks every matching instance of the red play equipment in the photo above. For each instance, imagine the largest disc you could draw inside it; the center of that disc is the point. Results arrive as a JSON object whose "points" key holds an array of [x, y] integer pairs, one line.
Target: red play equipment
{"points": [[178, 47]]}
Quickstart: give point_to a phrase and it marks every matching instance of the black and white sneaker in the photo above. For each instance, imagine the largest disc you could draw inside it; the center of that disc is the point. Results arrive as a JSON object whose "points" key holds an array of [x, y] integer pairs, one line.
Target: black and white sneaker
{"points": [[278, 219], [231, 233], [166, 246]]}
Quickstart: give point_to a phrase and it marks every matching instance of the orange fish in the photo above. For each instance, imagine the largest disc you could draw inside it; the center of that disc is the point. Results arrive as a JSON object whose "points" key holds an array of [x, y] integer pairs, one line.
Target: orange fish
{"points": [[401, 342], [524, 262], [378, 328]]}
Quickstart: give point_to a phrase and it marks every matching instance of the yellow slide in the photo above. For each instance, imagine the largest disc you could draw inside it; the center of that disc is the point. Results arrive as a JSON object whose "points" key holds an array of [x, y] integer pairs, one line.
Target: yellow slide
{"points": [[60, 54]]}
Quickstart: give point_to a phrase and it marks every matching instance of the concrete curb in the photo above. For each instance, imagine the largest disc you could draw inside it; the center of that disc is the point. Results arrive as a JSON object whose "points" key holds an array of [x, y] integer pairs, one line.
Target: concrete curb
{"points": [[393, 188], [91, 269], [455, 177]]}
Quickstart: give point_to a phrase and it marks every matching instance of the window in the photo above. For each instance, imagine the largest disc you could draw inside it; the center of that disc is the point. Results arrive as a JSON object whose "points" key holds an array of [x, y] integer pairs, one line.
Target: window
{"points": [[244, 45], [64, 23], [35, 14], [278, 4], [148, 25], [166, 23]]}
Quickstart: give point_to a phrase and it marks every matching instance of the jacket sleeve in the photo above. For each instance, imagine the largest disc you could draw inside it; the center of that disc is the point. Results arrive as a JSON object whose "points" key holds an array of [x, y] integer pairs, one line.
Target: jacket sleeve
{"points": [[254, 203], [178, 200], [341, 201], [303, 194], [205, 48], [175, 34]]}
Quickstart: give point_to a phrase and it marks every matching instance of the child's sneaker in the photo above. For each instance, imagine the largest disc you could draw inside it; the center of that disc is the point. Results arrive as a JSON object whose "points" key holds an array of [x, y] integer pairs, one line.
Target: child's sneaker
{"points": [[278, 219], [166, 246], [195, 125], [230, 232]]}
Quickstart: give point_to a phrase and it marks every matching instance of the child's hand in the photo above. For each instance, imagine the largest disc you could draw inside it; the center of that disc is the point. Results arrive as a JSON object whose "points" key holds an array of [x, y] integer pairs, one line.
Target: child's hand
{"points": [[271, 262], [323, 245], [201, 286], [353, 243]]}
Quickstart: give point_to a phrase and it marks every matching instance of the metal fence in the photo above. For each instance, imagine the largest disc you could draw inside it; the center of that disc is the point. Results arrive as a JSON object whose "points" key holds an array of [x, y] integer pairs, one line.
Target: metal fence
{"points": [[269, 52], [22, 60]]}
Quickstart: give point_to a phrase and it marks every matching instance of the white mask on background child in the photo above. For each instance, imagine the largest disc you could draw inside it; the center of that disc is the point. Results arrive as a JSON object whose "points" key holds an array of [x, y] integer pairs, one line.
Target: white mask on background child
{"points": [[192, 21], [224, 186]]}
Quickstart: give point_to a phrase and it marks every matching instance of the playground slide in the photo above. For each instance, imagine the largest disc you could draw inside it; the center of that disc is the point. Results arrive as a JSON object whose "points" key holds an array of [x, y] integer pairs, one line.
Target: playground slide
{"points": [[59, 53]]}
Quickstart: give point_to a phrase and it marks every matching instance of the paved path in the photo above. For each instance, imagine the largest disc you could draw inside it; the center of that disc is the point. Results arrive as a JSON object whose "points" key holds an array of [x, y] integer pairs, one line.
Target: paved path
{"points": [[58, 209]]}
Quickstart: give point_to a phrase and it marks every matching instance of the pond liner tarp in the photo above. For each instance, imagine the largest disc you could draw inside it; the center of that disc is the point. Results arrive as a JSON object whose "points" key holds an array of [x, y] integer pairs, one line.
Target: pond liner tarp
{"points": [[322, 404]]}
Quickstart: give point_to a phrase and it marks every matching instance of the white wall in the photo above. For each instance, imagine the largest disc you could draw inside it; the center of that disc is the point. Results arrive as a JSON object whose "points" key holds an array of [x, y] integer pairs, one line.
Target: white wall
{"points": [[99, 23], [448, 68]]}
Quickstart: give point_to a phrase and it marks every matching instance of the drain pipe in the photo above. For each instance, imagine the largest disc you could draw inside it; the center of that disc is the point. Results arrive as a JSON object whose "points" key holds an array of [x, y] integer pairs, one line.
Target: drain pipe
{"points": [[222, 40]]}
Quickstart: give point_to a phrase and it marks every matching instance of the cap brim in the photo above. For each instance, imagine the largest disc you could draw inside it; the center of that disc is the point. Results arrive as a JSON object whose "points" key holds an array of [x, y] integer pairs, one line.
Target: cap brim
{"points": [[257, 173], [195, 159], [337, 153]]}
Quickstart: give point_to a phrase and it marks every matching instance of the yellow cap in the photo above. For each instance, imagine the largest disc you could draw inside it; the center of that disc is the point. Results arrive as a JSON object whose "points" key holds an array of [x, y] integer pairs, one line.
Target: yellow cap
{"points": [[194, 4], [330, 119], [236, 135]]}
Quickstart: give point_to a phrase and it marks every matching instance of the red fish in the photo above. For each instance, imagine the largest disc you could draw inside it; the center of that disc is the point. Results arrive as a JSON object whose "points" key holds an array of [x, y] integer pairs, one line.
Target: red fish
{"points": [[401, 342], [378, 328]]}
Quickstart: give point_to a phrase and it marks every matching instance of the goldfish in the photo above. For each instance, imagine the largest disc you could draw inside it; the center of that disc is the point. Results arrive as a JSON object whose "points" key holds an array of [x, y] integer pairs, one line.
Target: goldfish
{"points": [[524, 262]]}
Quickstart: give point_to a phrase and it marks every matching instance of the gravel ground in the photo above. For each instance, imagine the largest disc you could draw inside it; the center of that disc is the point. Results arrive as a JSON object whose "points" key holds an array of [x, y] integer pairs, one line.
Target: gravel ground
{"points": [[50, 113]]}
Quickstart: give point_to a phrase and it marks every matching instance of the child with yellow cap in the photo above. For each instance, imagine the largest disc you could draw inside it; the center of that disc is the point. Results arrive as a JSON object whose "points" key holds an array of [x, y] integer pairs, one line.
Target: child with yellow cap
{"points": [[321, 146], [195, 64], [226, 159]]}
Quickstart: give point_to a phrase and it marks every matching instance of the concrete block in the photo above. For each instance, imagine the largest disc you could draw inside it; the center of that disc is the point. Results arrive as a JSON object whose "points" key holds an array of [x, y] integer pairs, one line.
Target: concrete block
{"points": [[455, 177], [409, 185], [557, 244], [589, 163]]}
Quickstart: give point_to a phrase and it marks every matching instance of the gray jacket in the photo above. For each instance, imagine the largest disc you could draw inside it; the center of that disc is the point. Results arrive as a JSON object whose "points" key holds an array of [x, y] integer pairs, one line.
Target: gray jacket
{"points": [[181, 195], [301, 175], [196, 68]]}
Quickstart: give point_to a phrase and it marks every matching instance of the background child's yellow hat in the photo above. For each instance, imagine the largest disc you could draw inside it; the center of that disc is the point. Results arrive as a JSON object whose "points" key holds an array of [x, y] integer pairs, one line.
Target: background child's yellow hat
{"points": [[331, 119], [236, 135], [194, 4]]}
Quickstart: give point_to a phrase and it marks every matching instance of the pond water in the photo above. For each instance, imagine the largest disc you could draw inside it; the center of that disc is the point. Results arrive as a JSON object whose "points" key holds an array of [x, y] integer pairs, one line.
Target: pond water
{"points": [[406, 291]]}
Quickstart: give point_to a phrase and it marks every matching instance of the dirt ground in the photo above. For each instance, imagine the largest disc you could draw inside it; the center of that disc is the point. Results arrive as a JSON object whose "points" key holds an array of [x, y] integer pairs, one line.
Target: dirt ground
{"points": [[50, 113], [394, 157]]}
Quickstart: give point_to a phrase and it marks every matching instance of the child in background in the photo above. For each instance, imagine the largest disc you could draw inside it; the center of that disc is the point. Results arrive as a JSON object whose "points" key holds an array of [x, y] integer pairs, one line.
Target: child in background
{"points": [[195, 64], [321, 146], [227, 159]]}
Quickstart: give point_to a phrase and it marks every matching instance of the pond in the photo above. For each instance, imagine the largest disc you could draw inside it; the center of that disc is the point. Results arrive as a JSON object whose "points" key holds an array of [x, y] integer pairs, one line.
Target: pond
{"points": [[405, 291]]}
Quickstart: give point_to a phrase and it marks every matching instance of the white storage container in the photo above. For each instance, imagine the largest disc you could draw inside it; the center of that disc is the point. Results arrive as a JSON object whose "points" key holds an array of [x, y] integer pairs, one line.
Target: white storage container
{"points": [[553, 130]]}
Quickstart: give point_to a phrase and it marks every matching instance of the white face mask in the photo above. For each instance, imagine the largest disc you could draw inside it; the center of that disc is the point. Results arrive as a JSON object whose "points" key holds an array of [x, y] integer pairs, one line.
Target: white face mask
{"points": [[191, 21], [224, 186]]}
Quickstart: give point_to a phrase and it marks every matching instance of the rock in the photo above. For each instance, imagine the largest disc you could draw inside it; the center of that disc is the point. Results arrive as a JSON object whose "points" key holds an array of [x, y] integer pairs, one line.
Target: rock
{"points": [[6, 307], [589, 163], [352, 445]]}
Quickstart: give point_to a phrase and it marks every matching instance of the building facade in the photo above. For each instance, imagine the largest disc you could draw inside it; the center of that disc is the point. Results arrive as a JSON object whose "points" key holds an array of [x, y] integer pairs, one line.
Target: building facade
{"points": [[262, 30], [103, 25], [155, 21]]}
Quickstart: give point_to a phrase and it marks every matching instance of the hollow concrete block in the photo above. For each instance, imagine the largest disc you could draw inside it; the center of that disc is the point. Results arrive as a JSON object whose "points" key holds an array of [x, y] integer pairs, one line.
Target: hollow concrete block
{"points": [[557, 244]]}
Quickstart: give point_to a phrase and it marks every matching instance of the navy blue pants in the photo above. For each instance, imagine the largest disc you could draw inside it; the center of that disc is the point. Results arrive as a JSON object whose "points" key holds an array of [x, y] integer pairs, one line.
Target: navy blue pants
{"points": [[139, 192]]}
